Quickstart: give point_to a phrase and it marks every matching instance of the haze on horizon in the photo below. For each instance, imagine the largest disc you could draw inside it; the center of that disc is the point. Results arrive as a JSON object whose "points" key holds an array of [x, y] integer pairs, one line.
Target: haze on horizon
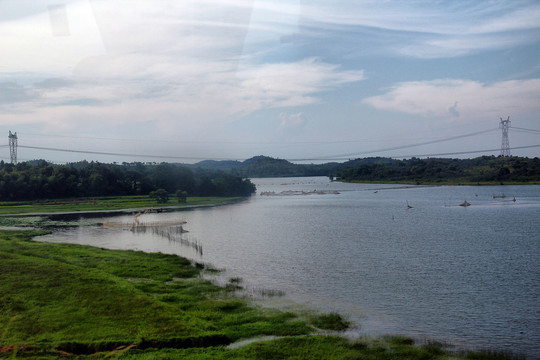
{"points": [[232, 79]]}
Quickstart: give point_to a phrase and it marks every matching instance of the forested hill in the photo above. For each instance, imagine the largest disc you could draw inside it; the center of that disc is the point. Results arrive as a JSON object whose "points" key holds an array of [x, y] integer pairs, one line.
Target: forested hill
{"points": [[42, 180], [264, 166], [485, 169]]}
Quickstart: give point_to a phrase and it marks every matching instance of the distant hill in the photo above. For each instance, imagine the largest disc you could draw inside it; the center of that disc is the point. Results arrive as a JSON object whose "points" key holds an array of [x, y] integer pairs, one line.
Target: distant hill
{"points": [[265, 166], [219, 165]]}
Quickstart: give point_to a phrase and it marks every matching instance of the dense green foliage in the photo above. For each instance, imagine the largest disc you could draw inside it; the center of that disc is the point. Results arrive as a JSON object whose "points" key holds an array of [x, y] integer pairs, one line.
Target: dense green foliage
{"points": [[485, 169], [160, 195], [42, 180]]}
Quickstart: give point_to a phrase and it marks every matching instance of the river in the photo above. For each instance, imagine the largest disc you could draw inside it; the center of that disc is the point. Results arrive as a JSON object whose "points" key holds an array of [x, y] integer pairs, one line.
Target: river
{"points": [[394, 259]]}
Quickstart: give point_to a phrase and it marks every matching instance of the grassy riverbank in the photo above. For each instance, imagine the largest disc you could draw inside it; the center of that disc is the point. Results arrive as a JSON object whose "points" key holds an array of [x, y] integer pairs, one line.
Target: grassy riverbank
{"points": [[107, 203], [62, 300]]}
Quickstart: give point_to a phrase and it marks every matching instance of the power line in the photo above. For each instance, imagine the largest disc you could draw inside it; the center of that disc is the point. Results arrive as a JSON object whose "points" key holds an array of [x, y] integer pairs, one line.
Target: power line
{"points": [[431, 155], [331, 157], [337, 157], [322, 158], [119, 154], [525, 130], [214, 142], [230, 159], [469, 152]]}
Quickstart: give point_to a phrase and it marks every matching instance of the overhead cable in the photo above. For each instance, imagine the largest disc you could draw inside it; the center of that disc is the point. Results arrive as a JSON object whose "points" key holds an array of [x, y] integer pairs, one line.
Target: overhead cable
{"points": [[427, 155], [337, 157], [118, 154]]}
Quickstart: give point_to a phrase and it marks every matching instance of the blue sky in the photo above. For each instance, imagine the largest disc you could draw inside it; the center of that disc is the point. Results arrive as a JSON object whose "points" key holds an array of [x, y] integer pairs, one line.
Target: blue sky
{"points": [[301, 80]]}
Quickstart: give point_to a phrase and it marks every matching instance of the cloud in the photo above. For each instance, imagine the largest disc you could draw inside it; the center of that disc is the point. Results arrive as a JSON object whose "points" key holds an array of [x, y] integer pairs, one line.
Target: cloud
{"points": [[197, 96], [184, 60], [453, 110], [293, 84], [193, 68], [432, 29], [11, 92], [291, 120], [436, 17], [477, 100], [39, 39]]}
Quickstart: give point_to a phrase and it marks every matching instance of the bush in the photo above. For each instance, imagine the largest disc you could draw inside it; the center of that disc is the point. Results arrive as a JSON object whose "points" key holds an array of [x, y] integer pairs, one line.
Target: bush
{"points": [[160, 195], [181, 196]]}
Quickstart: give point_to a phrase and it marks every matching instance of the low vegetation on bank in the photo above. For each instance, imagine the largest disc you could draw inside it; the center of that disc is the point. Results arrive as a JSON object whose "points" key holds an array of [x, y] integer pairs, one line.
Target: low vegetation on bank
{"points": [[105, 203], [72, 301]]}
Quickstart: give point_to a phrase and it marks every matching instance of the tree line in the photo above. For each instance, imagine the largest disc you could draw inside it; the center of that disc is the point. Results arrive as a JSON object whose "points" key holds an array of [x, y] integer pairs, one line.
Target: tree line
{"points": [[43, 180], [490, 169]]}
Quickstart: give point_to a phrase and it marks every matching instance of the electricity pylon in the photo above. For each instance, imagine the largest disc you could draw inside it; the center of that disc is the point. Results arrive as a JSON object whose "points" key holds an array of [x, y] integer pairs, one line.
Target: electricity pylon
{"points": [[13, 147], [505, 144]]}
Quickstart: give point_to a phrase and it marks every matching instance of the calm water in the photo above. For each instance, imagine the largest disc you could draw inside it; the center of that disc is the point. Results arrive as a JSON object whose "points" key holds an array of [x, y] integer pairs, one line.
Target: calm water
{"points": [[469, 276]]}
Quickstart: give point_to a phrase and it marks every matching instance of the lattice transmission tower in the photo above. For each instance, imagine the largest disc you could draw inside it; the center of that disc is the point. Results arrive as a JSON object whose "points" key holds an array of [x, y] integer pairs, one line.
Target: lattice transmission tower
{"points": [[13, 147], [505, 144]]}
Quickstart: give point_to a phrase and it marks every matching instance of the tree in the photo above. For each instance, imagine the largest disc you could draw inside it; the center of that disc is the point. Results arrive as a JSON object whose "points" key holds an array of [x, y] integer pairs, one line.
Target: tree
{"points": [[181, 196], [160, 195]]}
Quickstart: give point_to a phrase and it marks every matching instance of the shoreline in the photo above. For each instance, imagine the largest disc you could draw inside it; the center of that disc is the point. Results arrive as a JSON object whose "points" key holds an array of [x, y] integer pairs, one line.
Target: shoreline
{"points": [[293, 334], [124, 210]]}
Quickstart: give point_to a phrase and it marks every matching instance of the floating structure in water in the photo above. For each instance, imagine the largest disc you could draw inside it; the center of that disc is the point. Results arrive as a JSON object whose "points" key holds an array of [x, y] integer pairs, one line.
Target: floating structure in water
{"points": [[298, 192]]}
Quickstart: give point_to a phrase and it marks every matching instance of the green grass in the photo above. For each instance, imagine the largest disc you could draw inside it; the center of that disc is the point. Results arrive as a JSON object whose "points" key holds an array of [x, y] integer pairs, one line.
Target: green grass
{"points": [[331, 321], [54, 294], [63, 300], [104, 204]]}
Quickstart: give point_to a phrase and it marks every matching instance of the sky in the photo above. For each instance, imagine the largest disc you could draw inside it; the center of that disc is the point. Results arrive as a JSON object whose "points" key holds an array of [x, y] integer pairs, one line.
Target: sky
{"points": [[307, 81]]}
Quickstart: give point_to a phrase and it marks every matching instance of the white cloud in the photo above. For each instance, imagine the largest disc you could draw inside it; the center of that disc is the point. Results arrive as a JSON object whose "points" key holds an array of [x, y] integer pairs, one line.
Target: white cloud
{"points": [[202, 94], [435, 17], [293, 84], [291, 120], [194, 66], [476, 100], [435, 29], [178, 62], [30, 43]]}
